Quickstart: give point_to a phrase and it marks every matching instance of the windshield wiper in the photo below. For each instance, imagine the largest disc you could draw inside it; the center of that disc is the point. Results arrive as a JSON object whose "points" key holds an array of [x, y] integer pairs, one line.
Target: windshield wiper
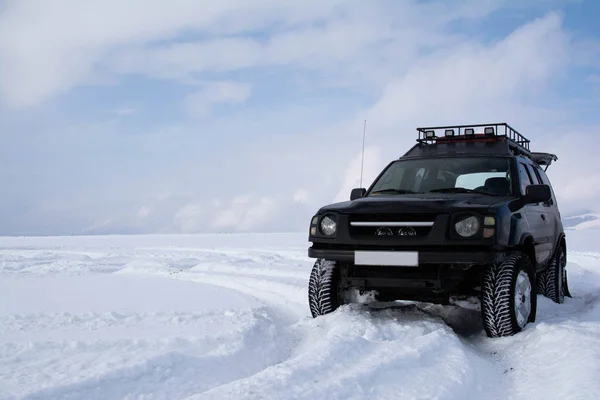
{"points": [[394, 191], [461, 190]]}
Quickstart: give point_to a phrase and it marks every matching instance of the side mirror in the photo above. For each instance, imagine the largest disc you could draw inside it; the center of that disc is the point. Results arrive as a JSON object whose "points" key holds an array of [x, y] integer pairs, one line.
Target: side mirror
{"points": [[538, 194], [357, 193]]}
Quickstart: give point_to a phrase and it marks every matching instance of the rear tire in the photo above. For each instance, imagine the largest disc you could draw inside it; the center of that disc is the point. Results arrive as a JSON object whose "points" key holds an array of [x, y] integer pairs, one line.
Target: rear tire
{"points": [[323, 292], [508, 296], [552, 282]]}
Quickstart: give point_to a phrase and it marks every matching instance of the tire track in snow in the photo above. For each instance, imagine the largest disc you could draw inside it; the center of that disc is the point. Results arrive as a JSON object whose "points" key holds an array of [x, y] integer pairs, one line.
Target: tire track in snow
{"points": [[354, 353], [348, 366], [285, 302], [372, 357], [171, 365], [357, 353], [284, 299], [556, 357]]}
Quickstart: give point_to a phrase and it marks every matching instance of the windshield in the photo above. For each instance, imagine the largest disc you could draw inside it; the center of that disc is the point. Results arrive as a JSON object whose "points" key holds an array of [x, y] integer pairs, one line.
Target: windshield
{"points": [[490, 176]]}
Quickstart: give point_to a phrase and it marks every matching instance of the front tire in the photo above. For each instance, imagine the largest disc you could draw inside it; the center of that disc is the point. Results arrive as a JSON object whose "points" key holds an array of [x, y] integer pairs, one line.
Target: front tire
{"points": [[323, 288], [508, 296]]}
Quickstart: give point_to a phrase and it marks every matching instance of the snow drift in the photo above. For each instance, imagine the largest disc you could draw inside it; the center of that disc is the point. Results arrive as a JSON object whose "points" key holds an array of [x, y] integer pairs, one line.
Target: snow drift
{"points": [[226, 317]]}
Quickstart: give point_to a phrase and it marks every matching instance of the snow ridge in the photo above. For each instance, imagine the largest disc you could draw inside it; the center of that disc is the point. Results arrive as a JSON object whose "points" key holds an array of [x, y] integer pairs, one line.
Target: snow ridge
{"points": [[228, 317]]}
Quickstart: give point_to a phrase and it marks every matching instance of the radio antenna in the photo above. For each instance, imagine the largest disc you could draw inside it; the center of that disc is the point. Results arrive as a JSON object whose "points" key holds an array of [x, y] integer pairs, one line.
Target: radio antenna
{"points": [[362, 163]]}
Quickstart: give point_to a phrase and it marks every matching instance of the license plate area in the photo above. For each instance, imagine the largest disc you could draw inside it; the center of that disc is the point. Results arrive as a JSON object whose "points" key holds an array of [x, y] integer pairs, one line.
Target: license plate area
{"points": [[387, 258]]}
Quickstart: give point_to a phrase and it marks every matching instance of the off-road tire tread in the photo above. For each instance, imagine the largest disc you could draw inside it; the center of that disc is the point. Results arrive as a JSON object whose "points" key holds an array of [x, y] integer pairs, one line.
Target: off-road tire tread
{"points": [[322, 288], [496, 305], [546, 283], [543, 284]]}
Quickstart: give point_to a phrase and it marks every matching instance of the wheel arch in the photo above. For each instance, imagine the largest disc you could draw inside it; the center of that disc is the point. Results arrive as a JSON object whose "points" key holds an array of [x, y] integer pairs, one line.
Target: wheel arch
{"points": [[527, 246], [562, 242]]}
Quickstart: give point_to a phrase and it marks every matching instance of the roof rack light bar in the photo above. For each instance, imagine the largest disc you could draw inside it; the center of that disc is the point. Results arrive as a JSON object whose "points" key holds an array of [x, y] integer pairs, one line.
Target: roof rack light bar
{"points": [[427, 135]]}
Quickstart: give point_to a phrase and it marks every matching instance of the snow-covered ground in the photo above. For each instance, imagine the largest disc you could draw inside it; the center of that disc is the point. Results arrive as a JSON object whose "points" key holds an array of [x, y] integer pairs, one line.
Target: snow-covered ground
{"points": [[582, 221], [226, 317]]}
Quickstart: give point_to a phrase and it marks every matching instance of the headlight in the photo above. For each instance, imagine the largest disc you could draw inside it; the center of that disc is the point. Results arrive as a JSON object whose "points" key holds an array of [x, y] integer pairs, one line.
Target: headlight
{"points": [[467, 227], [328, 226]]}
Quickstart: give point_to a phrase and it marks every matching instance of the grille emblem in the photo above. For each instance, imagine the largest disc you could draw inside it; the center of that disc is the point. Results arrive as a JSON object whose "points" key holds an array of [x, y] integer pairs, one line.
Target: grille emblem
{"points": [[383, 231], [407, 231]]}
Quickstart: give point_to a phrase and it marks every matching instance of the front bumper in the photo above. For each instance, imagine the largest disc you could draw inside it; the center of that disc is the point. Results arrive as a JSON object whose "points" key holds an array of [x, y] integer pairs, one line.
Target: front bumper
{"points": [[440, 257]]}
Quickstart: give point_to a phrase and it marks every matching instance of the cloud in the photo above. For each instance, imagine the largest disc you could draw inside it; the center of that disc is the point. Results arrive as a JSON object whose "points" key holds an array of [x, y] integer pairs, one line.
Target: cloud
{"points": [[174, 41], [486, 81], [352, 174], [594, 78], [279, 92], [122, 111], [258, 213], [73, 38], [233, 214], [182, 60], [249, 213], [340, 46], [144, 212], [243, 213], [301, 196], [575, 175], [200, 103], [190, 218]]}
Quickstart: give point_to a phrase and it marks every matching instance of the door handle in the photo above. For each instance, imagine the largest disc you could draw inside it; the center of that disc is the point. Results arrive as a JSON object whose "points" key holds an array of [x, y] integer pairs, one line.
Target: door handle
{"points": [[544, 217]]}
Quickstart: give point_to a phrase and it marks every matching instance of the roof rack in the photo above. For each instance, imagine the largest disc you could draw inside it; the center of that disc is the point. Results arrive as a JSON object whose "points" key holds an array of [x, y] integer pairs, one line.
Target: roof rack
{"points": [[517, 143], [429, 135]]}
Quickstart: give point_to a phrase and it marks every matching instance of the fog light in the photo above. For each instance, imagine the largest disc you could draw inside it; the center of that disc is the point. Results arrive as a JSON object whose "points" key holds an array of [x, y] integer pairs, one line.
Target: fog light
{"points": [[488, 232]]}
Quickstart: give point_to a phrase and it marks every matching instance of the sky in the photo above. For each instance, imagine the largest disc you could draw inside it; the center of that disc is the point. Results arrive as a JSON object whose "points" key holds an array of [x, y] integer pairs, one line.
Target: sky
{"points": [[149, 116]]}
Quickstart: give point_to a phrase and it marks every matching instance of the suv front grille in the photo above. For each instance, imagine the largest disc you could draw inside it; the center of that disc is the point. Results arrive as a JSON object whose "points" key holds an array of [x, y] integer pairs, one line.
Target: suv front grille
{"points": [[393, 217], [385, 231], [391, 225]]}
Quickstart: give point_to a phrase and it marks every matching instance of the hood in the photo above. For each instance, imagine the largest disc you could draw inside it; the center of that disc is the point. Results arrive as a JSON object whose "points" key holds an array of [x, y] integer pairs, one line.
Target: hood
{"points": [[422, 204]]}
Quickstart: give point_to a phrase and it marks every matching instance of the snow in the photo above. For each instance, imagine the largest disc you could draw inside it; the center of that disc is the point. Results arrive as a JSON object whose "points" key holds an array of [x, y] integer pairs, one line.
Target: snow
{"points": [[591, 224], [583, 221], [226, 317]]}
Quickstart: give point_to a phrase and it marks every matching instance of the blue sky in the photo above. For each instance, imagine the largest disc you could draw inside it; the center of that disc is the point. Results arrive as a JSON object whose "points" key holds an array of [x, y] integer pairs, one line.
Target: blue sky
{"points": [[203, 116]]}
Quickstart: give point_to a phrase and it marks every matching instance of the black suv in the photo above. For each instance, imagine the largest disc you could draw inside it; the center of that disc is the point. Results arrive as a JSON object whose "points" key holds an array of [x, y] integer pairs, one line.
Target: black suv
{"points": [[467, 214]]}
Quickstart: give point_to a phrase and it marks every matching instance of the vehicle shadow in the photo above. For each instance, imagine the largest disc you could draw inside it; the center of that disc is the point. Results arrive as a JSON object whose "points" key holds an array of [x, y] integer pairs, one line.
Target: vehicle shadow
{"points": [[463, 321]]}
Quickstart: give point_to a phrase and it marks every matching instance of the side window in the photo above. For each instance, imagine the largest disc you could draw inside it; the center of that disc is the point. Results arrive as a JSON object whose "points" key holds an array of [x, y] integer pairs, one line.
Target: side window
{"points": [[543, 176], [538, 176], [524, 178], [534, 176], [544, 179]]}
